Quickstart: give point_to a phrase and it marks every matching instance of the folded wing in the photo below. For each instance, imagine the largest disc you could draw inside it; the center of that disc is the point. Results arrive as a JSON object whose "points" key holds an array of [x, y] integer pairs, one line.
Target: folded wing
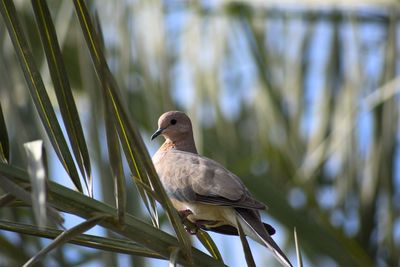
{"points": [[193, 178]]}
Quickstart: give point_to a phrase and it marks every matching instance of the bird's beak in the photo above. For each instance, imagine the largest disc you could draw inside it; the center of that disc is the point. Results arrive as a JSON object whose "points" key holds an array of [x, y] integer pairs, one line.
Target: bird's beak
{"points": [[157, 133]]}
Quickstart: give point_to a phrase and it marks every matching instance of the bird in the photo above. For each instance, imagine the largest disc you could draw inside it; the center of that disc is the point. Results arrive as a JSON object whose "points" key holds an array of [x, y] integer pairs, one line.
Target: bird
{"points": [[205, 192]]}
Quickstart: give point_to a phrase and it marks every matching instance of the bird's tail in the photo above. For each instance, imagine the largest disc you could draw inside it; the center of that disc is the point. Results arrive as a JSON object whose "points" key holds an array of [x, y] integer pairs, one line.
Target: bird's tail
{"points": [[253, 227]]}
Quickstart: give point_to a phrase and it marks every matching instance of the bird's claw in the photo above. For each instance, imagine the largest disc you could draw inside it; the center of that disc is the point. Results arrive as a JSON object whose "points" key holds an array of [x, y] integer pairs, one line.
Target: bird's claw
{"points": [[185, 213], [191, 229]]}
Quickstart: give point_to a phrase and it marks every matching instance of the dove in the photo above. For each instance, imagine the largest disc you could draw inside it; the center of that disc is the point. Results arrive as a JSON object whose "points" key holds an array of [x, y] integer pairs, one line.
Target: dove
{"points": [[205, 192]]}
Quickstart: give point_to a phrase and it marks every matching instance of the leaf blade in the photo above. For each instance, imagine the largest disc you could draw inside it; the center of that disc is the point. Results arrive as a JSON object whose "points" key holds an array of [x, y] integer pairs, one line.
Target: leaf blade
{"points": [[38, 91], [298, 251], [209, 244], [91, 241], [245, 245], [66, 236], [37, 173], [4, 142], [114, 155], [63, 90], [174, 256]]}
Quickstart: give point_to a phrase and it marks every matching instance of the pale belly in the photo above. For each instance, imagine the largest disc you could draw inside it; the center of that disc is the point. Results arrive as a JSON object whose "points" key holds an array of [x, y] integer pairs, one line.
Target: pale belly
{"points": [[219, 215]]}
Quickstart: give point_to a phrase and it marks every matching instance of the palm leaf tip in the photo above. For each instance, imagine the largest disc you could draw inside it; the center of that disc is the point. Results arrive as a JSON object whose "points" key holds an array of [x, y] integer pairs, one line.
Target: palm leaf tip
{"points": [[4, 142], [37, 173], [298, 252]]}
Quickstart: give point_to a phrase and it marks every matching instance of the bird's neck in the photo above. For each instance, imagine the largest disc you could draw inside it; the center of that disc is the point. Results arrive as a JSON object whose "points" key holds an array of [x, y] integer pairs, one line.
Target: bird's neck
{"points": [[183, 144]]}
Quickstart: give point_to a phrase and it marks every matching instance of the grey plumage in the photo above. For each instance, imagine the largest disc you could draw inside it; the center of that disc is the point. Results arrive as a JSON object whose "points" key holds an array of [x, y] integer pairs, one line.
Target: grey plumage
{"points": [[203, 180]]}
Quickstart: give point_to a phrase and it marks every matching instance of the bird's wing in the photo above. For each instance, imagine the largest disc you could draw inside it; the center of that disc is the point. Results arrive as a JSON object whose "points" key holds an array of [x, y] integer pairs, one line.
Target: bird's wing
{"points": [[193, 178]]}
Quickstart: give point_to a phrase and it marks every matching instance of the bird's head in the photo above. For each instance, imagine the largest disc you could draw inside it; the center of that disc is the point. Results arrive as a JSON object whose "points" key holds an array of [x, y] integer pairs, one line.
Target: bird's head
{"points": [[174, 125]]}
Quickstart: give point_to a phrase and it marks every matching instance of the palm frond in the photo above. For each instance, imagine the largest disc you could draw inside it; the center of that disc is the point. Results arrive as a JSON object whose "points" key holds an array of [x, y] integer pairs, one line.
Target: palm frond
{"points": [[63, 90], [38, 91], [69, 201]]}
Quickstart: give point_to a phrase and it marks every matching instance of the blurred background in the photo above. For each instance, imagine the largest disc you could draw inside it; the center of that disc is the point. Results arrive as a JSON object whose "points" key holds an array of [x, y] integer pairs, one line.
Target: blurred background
{"points": [[298, 98]]}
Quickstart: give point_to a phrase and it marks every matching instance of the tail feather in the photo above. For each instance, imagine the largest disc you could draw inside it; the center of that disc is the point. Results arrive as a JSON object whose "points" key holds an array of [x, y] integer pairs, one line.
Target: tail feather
{"points": [[252, 221]]}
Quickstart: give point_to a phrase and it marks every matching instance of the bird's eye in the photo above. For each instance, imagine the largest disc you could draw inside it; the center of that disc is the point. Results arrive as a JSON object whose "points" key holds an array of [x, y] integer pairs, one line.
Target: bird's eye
{"points": [[173, 121]]}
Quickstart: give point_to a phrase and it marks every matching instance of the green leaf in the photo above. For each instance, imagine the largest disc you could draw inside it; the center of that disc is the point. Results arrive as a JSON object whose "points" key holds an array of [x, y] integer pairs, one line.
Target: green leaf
{"points": [[70, 201], [209, 244], [17, 191], [132, 143], [113, 144], [37, 173], [7, 199], [21, 193], [114, 155], [204, 238], [174, 256], [38, 91], [67, 236], [63, 90], [145, 187], [103, 243], [108, 81], [4, 143], [298, 252], [245, 245]]}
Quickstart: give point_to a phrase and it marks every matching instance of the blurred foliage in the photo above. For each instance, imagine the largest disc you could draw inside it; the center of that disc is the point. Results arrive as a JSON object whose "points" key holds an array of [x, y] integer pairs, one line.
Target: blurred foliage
{"points": [[300, 102]]}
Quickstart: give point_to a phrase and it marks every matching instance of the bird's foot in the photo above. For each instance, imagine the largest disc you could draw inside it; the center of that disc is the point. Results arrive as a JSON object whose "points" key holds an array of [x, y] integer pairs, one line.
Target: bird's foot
{"points": [[185, 213], [191, 228]]}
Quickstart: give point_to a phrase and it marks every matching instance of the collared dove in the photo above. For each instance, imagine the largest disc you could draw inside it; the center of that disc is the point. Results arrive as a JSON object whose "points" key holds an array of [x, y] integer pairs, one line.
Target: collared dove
{"points": [[204, 191]]}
